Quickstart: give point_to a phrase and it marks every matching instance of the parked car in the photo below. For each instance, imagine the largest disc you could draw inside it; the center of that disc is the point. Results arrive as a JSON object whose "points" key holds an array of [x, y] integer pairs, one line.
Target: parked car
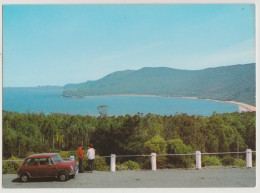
{"points": [[47, 165]]}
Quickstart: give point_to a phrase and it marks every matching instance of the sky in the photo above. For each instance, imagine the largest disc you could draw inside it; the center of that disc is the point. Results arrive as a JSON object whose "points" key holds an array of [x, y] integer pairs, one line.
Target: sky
{"points": [[61, 44]]}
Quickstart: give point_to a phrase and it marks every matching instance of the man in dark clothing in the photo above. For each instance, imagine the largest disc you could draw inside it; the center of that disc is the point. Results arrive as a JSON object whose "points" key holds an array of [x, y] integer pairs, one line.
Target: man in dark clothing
{"points": [[80, 156]]}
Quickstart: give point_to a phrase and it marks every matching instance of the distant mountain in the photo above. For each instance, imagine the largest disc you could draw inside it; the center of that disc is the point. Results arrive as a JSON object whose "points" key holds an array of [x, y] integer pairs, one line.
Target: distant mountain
{"points": [[236, 83]]}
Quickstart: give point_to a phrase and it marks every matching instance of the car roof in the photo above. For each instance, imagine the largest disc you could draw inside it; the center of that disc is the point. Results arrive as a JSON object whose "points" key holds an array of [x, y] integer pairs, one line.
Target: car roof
{"points": [[41, 155]]}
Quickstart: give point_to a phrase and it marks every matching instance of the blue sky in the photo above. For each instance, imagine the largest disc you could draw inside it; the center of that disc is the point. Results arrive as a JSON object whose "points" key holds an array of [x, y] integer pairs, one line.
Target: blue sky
{"points": [[60, 44]]}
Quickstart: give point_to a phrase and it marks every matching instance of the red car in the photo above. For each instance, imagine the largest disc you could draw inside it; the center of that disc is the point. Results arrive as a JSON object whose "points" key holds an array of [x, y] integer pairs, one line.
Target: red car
{"points": [[47, 165]]}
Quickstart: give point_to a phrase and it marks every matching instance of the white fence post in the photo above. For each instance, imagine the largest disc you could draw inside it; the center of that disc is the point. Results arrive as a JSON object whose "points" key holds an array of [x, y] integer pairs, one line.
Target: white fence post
{"points": [[153, 161], [113, 163], [198, 159], [248, 158]]}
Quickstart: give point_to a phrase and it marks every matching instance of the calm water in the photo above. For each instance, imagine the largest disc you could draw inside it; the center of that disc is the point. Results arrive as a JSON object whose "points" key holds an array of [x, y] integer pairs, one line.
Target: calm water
{"points": [[50, 101]]}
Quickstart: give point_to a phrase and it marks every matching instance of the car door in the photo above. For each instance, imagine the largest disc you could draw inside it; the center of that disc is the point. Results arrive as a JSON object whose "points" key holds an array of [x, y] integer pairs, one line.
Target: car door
{"points": [[53, 168], [44, 167], [32, 167]]}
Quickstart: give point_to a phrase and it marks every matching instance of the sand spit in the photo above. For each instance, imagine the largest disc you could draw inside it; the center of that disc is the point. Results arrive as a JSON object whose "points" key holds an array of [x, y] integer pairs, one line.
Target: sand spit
{"points": [[242, 106]]}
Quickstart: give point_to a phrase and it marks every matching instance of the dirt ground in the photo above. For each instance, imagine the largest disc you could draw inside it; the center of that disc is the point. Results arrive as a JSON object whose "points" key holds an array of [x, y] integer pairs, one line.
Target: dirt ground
{"points": [[165, 178]]}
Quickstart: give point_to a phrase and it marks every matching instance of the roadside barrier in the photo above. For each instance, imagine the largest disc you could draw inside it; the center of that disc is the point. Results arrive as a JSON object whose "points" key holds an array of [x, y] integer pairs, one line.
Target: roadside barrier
{"points": [[153, 156], [113, 163], [197, 154]]}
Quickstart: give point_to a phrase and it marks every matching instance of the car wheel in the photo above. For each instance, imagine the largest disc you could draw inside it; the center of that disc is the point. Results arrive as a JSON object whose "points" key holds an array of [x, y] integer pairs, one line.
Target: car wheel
{"points": [[24, 177], [63, 176]]}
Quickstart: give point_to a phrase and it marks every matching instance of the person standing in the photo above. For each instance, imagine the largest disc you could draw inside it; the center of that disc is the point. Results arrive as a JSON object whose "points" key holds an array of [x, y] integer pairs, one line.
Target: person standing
{"points": [[91, 156], [80, 156]]}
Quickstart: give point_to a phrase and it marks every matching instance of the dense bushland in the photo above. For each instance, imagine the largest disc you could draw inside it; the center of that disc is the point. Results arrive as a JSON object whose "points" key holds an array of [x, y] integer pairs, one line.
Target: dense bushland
{"points": [[27, 133]]}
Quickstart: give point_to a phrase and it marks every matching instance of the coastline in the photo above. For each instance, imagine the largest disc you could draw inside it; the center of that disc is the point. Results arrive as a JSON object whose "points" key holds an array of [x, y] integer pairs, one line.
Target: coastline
{"points": [[242, 107]]}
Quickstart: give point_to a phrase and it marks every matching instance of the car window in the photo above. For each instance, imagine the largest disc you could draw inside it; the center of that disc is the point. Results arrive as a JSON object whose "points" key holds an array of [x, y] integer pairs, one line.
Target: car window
{"points": [[31, 162], [50, 161], [44, 161], [57, 158], [27, 162]]}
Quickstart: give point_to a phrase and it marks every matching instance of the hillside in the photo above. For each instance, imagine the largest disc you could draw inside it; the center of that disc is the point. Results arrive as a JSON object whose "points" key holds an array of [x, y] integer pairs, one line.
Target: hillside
{"points": [[236, 83]]}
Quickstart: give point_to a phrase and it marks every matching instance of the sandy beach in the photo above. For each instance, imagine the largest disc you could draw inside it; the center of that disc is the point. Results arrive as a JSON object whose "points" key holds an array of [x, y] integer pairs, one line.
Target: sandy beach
{"points": [[242, 106]]}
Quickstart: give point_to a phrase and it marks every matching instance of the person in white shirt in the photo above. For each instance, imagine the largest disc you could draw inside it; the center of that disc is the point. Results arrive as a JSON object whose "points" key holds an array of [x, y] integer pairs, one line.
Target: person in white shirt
{"points": [[91, 156]]}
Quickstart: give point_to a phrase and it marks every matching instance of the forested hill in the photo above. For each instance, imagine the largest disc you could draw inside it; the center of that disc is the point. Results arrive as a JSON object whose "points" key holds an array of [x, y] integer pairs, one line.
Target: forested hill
{"points": [[236, 83]]}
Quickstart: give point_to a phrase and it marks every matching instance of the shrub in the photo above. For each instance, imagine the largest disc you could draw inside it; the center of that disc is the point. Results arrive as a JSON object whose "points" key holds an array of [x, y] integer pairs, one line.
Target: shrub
{"points": [[188, 162], [211, 161], [176, 146], [155, 145], [100, 164], [67, 154], [228, 160], [240, 163], [11, 167], [129, 165], [254, 164]]}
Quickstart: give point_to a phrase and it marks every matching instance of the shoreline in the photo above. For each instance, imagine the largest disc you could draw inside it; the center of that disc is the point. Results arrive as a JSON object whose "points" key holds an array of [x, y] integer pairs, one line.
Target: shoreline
{"points": [[242, 107]]}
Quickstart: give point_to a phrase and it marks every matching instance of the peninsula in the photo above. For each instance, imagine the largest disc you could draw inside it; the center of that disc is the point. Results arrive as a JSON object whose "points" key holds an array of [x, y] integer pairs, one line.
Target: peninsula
{"points": [[234, 84]]}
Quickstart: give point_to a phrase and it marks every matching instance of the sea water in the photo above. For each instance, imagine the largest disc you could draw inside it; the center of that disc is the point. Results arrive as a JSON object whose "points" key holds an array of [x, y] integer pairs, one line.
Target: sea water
{"points": [[50, 100]]}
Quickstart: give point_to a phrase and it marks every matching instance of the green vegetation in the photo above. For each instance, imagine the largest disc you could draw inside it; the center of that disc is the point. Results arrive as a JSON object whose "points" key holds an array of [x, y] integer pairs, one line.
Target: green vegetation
{"points": [[240, 163], [156, 145], [129, 165], [211, 161], [28, 133], [228, 160], [11, 167], [99, 164], [176, 146], [233, 83], [67, 154]]}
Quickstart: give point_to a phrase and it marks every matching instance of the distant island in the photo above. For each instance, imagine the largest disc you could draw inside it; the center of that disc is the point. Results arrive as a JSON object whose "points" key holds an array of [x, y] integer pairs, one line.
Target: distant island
{"points": [[228, 83]]}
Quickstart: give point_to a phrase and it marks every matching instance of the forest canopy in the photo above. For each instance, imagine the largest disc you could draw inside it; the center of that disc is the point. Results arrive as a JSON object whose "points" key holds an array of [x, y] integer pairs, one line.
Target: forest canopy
{"points": [[25, 133]]}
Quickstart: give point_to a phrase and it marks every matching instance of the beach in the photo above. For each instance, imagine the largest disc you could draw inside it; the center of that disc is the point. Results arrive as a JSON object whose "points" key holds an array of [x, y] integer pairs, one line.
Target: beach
{"points": [[242, 106]]}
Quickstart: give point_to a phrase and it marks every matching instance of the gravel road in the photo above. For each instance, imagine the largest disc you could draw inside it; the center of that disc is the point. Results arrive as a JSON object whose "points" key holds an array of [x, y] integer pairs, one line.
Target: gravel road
{"points": [[165, 178]]}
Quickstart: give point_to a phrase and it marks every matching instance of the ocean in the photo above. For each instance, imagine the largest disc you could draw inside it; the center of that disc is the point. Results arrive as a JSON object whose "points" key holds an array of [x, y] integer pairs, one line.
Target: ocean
{"points": [[50, 100]]}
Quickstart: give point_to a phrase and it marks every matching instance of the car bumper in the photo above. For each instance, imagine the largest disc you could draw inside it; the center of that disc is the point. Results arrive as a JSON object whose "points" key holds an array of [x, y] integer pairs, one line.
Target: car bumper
{"points": [[75, 171]]}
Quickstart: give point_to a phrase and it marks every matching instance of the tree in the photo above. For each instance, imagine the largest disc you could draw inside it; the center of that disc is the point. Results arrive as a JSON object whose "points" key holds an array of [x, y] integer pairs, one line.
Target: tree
{"points": [[102, 110], [176, 146], [156, 145]]}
